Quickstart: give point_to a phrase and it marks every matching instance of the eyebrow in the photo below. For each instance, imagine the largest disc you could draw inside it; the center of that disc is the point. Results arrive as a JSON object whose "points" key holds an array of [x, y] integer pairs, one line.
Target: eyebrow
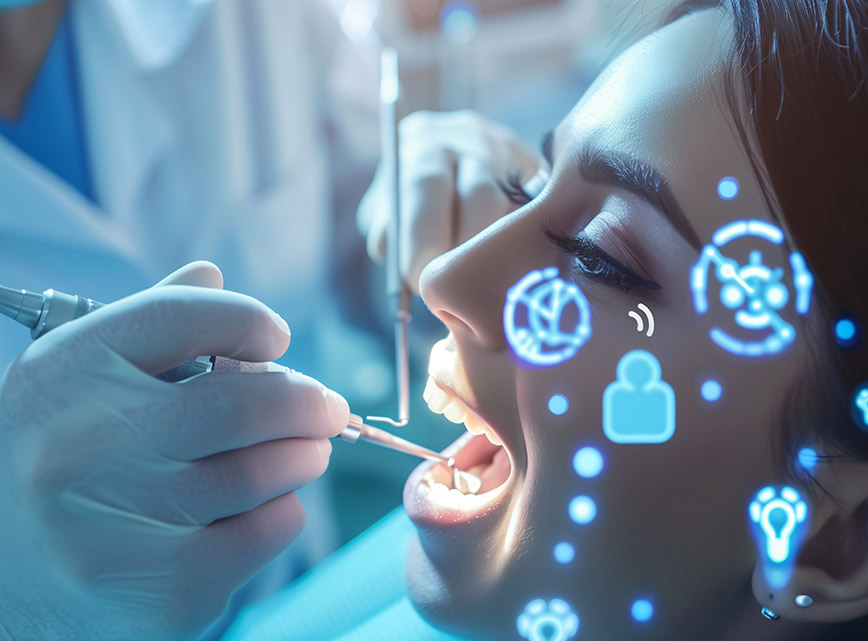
{"points": [[620, 170]]}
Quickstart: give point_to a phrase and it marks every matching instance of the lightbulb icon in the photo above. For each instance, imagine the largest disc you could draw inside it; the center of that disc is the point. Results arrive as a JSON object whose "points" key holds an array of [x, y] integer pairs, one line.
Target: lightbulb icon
{"points": [[780, 519]]}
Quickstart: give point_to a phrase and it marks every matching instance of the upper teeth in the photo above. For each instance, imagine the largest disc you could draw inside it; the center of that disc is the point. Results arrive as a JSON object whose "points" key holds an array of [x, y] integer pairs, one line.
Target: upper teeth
{"points": [[453, 409]]}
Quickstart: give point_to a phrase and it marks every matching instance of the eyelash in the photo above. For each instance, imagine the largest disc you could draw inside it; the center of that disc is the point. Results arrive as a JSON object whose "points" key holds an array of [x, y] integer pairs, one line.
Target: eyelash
{"points": [[592, 260]]}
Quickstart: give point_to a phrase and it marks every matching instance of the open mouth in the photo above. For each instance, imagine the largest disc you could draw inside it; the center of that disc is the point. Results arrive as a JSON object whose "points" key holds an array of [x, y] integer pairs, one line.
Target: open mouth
{"points": [[430, 494]]}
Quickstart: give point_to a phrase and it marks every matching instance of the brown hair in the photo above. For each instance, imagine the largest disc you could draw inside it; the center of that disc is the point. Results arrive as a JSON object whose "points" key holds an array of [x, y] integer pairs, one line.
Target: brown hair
{"points": [[802, 65]]}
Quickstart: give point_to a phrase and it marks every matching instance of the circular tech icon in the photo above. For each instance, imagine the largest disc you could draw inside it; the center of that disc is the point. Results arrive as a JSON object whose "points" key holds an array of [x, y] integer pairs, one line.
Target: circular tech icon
{"points": [[754, 292], [546, 320]]}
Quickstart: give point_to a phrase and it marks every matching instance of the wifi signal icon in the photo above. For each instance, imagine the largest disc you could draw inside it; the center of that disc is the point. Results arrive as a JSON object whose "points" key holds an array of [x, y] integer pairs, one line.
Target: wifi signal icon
{"points": [[640, 325]]}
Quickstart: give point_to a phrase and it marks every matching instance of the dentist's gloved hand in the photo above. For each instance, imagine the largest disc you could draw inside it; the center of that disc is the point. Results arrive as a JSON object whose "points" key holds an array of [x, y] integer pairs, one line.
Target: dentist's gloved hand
{"points": [[132, 508], [450, 165]]}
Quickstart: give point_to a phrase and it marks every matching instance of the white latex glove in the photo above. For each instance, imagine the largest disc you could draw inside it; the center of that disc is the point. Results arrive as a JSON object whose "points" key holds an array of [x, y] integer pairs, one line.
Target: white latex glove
{"points": [[132, 508], [450, 164]]}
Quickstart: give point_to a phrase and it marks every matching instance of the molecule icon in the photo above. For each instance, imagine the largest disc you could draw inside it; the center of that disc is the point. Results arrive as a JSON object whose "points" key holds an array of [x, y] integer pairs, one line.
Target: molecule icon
{"points": [[548, 621], [755, 292], [546, 319]]}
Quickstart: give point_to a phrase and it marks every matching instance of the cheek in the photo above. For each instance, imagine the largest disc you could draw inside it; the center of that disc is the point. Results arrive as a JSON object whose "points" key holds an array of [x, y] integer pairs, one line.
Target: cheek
{"points": [[718, 454]]}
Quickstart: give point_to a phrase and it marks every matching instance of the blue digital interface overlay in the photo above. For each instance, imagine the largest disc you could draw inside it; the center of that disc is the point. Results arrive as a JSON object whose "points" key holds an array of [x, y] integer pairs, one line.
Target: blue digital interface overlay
{"points": [[711, 390], [548, 621], [639, 407], [564, 553], [583, 510], [559, 404], [588, 462], [808, 458], [642, 610], [847, 331], [727, 188], [754, 292], [546, 319], [779, 518], [860, 406]]}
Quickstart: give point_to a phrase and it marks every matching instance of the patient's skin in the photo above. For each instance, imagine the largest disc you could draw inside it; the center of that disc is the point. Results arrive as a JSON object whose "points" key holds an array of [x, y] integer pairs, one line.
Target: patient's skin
{"points": [[671, 522]]}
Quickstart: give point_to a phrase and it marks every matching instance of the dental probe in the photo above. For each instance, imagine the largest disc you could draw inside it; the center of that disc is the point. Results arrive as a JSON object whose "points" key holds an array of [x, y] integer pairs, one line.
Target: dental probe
{"points": [[44, 312], [397, 292]]}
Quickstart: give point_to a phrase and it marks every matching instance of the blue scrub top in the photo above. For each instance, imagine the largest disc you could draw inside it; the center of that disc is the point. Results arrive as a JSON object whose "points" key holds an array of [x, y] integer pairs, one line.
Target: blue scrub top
{"points": [[357, 594], [49, 128]]}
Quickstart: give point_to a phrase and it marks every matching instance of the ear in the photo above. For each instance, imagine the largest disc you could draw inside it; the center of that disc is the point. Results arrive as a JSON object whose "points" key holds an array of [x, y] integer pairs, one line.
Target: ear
{"points": [[832, 565]]}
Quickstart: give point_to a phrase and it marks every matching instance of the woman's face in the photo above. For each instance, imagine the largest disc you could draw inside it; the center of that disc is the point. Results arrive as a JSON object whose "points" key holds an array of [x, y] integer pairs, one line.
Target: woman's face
{"points": [[670, 524]]}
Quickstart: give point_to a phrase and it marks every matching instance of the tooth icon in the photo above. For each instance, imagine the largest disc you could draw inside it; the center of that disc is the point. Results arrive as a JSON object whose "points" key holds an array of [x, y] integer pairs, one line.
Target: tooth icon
{"points": [[780, 523]]}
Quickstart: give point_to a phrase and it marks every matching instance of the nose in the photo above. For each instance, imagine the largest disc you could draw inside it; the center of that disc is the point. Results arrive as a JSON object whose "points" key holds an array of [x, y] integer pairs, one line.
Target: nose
{"points": [[466, 287]]}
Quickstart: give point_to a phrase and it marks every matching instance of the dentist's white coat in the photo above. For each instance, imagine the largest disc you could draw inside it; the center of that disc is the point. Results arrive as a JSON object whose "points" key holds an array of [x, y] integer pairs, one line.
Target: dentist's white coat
{"points": [[215, 129]]}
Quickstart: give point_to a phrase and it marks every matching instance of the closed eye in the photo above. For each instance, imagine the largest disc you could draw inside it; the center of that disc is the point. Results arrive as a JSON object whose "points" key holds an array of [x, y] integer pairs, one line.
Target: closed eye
{"points": [[592, 261]]}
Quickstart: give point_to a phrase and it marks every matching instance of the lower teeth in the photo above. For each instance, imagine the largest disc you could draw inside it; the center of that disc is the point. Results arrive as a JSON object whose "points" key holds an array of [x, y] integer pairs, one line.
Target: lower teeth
{"points": [[465, 482]]}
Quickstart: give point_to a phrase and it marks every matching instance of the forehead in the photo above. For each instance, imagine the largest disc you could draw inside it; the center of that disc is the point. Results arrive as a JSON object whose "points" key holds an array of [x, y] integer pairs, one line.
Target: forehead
{"points": [[663, 101]]}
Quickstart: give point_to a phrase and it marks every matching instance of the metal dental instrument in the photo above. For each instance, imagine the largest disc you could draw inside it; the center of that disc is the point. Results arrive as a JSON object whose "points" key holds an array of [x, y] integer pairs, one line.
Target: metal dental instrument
{"points": [[357, 429], [398, 293], [44, 312]]}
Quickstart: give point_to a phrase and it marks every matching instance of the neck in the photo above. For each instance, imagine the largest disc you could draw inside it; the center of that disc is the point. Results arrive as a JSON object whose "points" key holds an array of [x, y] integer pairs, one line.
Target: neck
{"points": [[25, 35]]}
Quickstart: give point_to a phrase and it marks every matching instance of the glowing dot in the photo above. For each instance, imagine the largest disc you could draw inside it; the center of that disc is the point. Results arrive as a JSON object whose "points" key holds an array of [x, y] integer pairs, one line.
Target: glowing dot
{"points": [[845, 332], [642, 610], [558, 404], [588, 462], [776, 296], [583, 510], [807, 458], [564, 553], [711, 390], [727, 188]]}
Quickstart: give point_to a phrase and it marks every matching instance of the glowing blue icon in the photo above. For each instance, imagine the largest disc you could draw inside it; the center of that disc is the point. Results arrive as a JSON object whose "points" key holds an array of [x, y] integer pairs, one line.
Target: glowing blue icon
{"points": [[642, 610], [583, 510], [548, 621], [558, 404], [846, 332], [639, 407], [808, 458], [564, 553], [535, 314], [860, 406], [780, 524], [754, 291], [727, 188], [588, 462], [711, 390]]}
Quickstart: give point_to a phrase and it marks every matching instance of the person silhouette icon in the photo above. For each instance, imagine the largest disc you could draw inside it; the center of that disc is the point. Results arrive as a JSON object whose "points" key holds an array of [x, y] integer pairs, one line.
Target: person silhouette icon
{"points": [[639, 407]]}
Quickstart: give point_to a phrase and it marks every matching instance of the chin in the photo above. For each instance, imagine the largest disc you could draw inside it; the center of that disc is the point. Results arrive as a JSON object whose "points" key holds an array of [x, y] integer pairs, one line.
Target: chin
{"points": [[456, 605]]}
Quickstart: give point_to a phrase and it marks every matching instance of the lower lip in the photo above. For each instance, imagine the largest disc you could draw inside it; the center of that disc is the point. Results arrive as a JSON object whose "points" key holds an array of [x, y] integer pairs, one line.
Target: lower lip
{"points": [[430, 508]]}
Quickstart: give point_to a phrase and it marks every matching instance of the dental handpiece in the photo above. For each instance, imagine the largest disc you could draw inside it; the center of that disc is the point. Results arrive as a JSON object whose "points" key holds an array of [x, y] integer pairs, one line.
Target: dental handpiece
{"points": [[43, 312]]}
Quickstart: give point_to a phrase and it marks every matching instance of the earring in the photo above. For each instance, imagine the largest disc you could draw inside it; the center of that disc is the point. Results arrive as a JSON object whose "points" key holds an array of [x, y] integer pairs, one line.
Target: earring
{"points": [[769, 614], [804, 601]]}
